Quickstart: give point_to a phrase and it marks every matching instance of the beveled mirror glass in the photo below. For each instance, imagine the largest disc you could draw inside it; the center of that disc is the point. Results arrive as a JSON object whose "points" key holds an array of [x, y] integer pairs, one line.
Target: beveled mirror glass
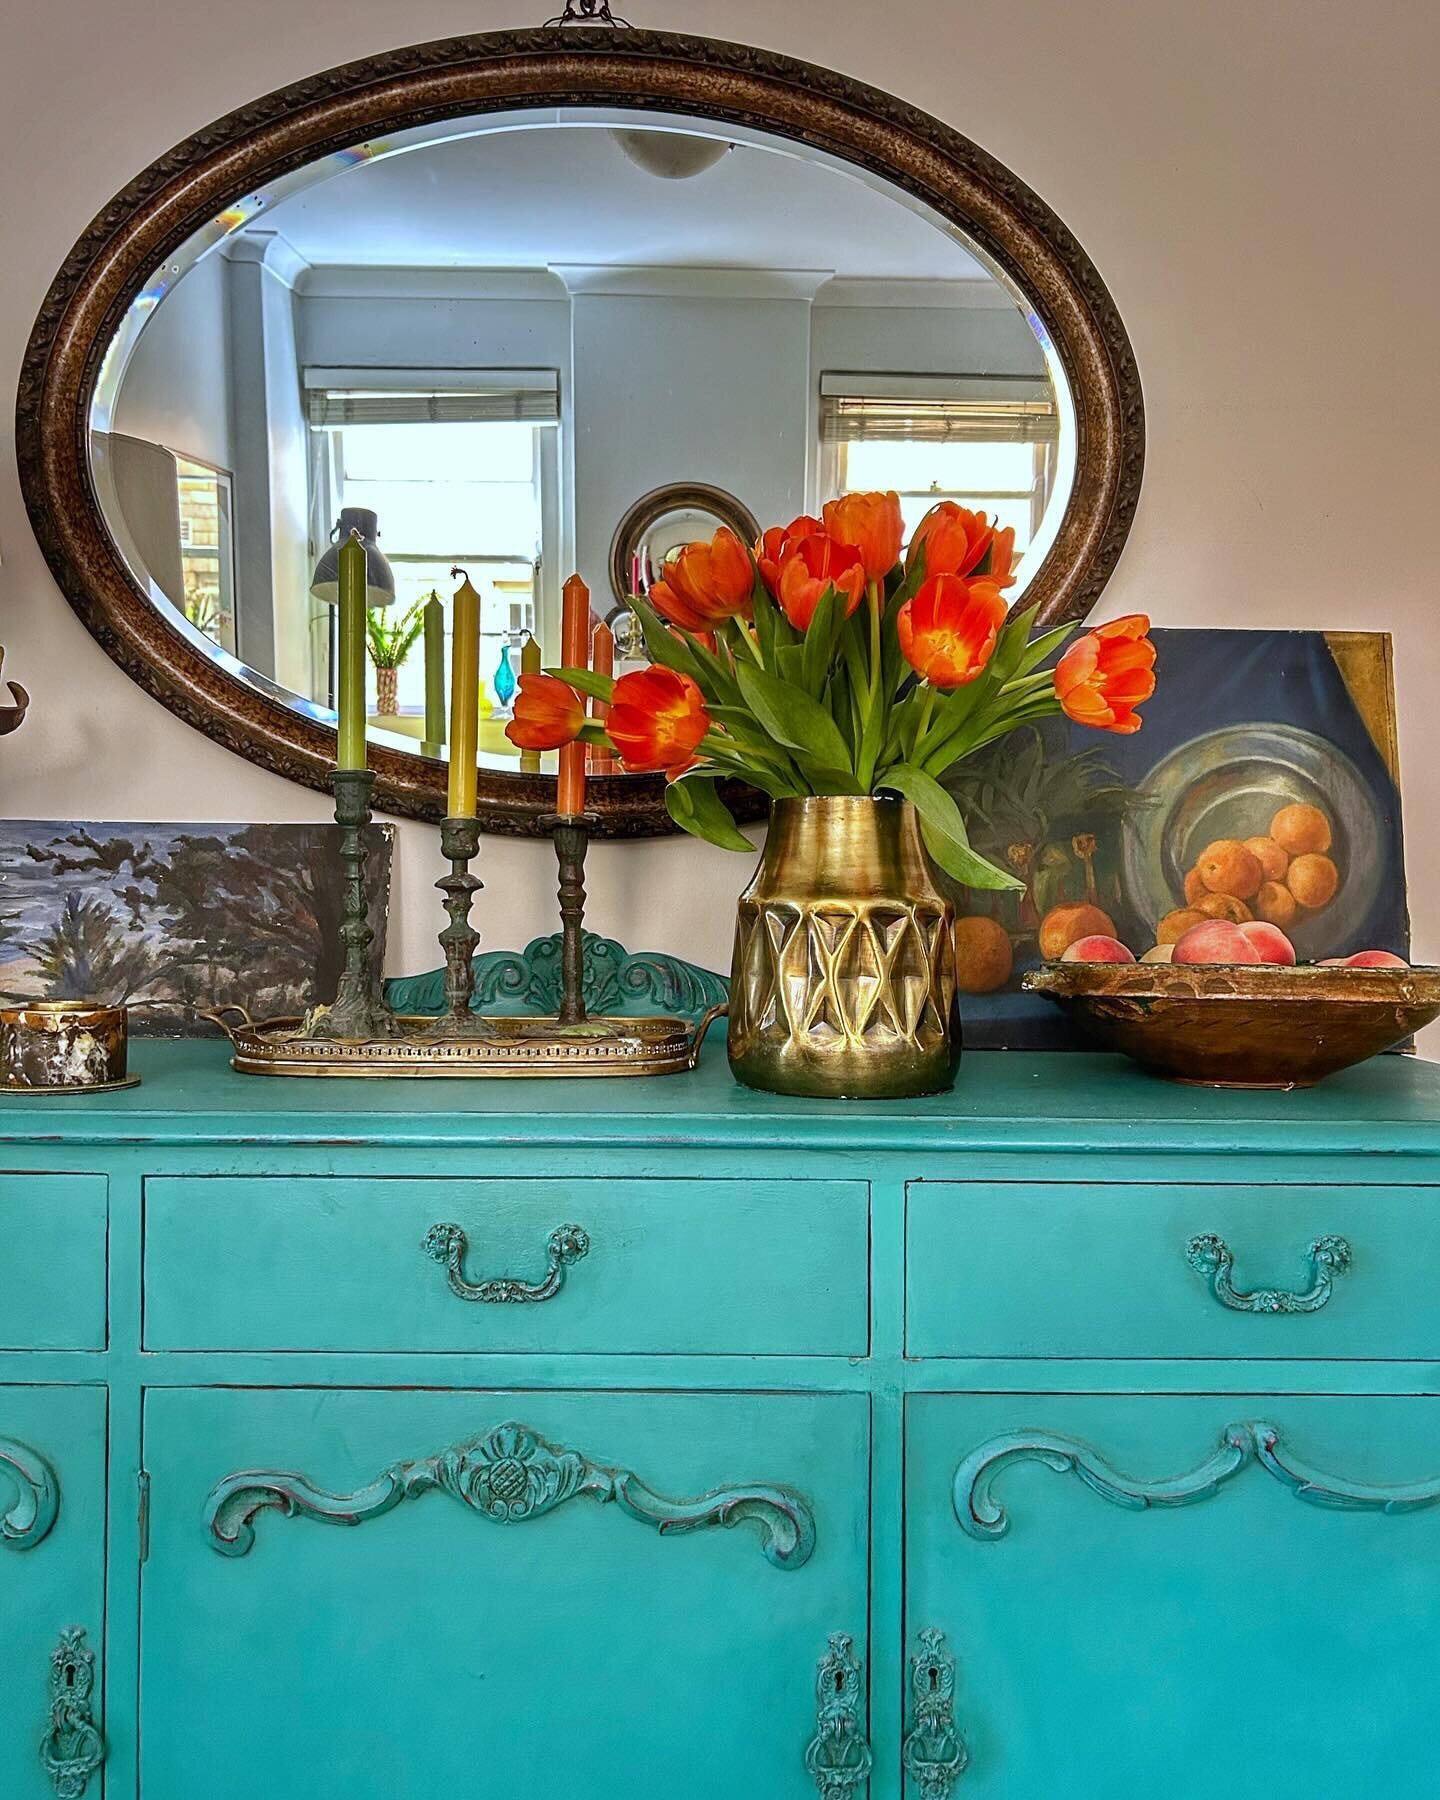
{"points": [[488, 335]]}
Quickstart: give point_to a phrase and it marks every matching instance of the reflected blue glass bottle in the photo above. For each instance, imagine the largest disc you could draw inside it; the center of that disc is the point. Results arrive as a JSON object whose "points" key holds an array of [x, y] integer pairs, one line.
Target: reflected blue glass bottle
{"points": [[504, 678]]}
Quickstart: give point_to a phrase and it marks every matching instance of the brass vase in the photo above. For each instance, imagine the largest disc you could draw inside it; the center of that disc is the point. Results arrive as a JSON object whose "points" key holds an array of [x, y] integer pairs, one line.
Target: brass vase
{"points": [[843, 982]]}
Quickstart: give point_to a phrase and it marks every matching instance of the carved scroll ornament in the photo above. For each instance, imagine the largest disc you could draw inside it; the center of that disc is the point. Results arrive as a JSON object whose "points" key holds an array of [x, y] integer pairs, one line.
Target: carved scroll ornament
{"points": [[982, 1516], [28, 1521], [509, 1476]]}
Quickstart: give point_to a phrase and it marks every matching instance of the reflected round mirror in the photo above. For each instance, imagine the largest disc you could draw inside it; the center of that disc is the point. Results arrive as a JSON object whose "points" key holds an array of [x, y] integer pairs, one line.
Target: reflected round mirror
{"points": [[477, 338]]}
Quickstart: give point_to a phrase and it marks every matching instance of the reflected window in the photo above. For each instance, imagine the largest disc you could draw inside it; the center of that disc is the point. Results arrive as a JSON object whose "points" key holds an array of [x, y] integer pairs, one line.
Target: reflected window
{"points": [[457, 476], [987, 442], [207, 548]]}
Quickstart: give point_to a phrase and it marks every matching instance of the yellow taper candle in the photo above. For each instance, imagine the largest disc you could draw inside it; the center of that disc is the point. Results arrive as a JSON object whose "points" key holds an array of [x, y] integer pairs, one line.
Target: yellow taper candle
{"points": [[350, 685], [434, 616], [464, 698], [530, 662]]}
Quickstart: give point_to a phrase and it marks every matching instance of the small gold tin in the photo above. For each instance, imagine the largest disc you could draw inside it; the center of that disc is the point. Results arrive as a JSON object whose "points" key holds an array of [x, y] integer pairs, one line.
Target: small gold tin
{"points": [[63, 1047]]}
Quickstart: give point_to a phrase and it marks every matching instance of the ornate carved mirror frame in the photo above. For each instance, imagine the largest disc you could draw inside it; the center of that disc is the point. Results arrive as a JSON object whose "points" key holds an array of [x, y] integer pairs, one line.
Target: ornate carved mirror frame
{"points": [[157, 211]]}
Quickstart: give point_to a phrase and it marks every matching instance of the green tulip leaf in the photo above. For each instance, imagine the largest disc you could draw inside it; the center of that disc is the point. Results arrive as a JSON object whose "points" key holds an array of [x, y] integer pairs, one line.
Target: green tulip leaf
{"points": [[695, 807], [943, 829], [792, 718]]}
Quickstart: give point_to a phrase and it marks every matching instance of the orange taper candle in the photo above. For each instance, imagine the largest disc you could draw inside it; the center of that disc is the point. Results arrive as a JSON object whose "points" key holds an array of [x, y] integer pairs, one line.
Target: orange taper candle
{"points": [[603, 662], [574, 654]]}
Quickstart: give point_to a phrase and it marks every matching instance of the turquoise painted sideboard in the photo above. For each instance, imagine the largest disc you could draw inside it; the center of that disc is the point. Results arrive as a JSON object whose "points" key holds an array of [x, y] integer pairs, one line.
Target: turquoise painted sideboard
{"points": [[1070, 1434]]}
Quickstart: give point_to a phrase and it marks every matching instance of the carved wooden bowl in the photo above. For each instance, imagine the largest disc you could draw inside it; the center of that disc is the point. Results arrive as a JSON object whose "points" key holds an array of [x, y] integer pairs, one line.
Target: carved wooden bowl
{"points": [[1242, 1026]]}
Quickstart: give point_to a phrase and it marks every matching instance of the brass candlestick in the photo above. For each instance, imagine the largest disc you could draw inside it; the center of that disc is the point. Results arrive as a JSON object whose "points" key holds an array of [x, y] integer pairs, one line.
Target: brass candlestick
{"points": [[572, 840], [358, 1013], [459, 844]]}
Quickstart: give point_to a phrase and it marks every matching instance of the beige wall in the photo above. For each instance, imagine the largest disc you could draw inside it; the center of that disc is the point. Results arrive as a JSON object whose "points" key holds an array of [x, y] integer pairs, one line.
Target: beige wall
{"points": [[1258, 181]]}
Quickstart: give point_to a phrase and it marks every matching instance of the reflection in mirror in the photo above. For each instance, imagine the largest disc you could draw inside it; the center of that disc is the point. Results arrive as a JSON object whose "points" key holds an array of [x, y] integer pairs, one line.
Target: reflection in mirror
{"points": [[485, 340]]}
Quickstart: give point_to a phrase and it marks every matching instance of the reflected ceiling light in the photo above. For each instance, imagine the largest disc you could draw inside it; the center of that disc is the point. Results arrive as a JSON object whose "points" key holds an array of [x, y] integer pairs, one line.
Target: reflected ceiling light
{"points": [[672, 155], [379, 576]]}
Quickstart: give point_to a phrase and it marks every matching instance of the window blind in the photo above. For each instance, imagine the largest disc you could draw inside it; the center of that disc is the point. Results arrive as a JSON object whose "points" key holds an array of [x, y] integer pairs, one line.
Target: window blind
{"points": [[335, 397], [937, 409]]}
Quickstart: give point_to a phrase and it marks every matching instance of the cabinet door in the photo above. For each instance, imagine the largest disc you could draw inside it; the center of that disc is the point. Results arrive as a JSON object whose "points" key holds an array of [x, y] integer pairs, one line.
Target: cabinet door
{"points": [[1181, 1596], [547, 1593], [52, 1555]]}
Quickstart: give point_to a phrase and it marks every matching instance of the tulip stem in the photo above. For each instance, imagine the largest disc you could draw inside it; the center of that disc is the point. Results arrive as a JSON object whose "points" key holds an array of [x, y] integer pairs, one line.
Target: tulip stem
{"points": [[870, 737]]}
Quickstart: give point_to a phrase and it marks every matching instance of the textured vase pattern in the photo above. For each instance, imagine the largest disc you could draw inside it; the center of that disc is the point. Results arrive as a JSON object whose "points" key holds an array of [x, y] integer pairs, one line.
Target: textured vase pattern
{"points": [[840, 993]]}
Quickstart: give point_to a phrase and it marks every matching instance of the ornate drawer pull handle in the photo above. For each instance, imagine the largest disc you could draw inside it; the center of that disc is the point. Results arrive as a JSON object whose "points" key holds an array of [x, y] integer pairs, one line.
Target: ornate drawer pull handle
{"points": [[508, 1476], [838, 1756], [1213, 1258], [934, 1754], [37, 1496], [72, 1748], [447, 1244]]}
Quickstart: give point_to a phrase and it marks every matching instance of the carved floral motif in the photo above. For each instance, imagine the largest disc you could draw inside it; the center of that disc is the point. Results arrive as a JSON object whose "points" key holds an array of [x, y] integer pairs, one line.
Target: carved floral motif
{"points": [[509, 1476]]}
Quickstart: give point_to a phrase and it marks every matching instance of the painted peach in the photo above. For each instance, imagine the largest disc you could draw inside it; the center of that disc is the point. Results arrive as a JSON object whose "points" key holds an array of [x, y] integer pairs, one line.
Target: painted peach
{"points": [[1063, 924], [1301, 829], [984, 954], [1224, 906], [1313, 879], [1098, 949], [1375, 959], [1159, 953], [1275, 904], [1274, 858], [1216, 941], [1269, 943], [1227, 867], [1175, 924], [1195, 887]]}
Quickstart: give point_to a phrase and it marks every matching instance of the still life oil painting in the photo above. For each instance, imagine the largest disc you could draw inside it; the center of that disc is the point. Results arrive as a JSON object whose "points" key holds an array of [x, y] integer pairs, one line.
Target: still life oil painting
{"points": [[172, 920], [1263, 785]]}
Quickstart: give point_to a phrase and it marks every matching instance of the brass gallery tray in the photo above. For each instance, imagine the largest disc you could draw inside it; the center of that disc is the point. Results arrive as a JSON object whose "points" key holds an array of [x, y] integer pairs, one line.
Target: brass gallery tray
{"points": [[503, 1046]]}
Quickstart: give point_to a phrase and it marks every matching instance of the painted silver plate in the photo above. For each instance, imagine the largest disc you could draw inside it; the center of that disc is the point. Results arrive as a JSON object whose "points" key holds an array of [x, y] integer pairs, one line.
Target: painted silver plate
{"points": [[1230, 784]]}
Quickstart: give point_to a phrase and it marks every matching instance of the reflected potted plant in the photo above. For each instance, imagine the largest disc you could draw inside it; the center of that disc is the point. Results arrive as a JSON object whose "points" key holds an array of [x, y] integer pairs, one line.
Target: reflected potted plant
{"points": [[843, 674], [389, 642]]}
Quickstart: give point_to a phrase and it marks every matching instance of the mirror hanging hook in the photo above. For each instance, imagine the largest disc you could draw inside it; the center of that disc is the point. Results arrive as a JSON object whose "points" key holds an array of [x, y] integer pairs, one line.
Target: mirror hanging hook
{"points": [[588, 12]]}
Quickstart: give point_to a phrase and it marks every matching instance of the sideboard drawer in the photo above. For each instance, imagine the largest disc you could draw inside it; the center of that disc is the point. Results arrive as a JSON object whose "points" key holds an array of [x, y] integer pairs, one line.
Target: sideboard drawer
{"points": [[331, 1263], [52, 1288], [1013, 1269]]}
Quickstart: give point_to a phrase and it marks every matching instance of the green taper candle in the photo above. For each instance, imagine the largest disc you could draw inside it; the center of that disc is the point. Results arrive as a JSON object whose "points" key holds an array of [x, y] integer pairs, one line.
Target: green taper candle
{"points": [[350, 700], [434, 674]]}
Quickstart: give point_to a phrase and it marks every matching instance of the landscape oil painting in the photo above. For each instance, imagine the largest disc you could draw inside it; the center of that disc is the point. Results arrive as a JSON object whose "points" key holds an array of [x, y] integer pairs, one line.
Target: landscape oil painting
{"points": [[173, 920], [1263, 783]]}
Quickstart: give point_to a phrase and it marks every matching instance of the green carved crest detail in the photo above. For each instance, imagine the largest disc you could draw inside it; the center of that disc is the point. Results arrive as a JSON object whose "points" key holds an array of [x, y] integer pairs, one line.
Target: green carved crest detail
{"points": [[617, 983]]}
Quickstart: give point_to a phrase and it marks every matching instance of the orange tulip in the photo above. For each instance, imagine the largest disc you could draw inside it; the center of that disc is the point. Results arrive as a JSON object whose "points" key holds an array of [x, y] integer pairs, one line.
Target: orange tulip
{"points": [[813, 564], [703, 585], [657, 717], [773, 546], [548, 713], [960, 542], [1104, 676], [948, 631], [872, 523]]}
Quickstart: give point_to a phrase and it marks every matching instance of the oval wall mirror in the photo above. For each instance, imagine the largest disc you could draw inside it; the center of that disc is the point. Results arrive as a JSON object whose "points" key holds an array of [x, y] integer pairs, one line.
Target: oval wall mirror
{"points": [[478, 296]]}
